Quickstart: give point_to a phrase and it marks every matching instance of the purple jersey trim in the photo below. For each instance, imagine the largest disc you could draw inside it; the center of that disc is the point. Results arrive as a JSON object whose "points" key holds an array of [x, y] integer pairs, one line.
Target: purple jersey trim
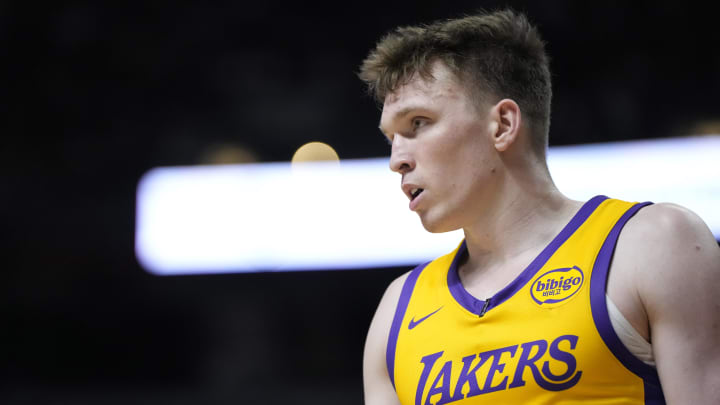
{"points": [[475, 305], [601, 317], [402, 305]]}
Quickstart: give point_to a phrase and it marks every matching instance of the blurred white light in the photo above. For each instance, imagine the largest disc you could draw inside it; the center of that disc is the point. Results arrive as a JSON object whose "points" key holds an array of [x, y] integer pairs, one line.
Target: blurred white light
{"points": [[268, 217]]}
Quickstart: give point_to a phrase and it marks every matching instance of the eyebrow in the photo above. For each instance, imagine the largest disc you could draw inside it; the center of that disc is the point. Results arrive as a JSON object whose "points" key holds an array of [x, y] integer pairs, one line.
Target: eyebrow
{"points": [[401, 114]]}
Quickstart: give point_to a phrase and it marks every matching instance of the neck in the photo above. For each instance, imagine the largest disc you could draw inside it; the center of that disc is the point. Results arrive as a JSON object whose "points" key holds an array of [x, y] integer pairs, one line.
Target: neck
{"points": [[517, 225]]}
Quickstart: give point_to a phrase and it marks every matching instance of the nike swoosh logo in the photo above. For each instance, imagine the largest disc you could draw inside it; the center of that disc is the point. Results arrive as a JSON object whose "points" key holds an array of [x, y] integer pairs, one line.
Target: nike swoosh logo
{"points": [[413, 323]]}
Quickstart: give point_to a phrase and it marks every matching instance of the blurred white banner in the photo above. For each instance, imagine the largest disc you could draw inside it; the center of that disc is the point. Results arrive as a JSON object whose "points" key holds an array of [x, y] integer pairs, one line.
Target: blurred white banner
{"points": [[325, 215]]}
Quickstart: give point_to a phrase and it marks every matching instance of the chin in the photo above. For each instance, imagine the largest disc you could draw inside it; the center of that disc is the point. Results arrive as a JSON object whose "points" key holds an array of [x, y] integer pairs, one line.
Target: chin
{"points": [[437, 225]]}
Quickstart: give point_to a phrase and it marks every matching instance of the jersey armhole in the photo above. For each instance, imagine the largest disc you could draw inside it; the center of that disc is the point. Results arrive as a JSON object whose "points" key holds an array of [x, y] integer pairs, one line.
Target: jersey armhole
{"points": [[402, 305], [601, 316]]}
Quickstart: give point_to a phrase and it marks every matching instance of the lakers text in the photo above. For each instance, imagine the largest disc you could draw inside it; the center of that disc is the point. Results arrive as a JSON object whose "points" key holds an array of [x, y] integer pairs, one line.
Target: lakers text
{"points": [[497, 370]]}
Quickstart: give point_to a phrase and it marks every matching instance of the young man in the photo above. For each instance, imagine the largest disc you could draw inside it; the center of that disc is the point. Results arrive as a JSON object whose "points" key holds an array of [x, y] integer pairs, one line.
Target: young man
{"points": [[547, 300]]}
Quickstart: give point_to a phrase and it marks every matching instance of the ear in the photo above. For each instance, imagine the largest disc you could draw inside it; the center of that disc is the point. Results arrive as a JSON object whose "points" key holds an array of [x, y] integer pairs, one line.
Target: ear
{"points": [[506, 114]]}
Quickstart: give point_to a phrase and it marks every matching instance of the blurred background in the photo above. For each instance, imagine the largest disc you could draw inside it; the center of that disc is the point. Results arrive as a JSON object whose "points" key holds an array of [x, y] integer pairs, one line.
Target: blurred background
{"points": [[94, 94]]}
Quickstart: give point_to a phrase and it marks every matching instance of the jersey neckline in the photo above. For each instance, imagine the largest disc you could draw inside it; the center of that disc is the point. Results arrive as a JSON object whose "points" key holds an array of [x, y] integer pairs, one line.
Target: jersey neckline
{"points": [[480, 307]]}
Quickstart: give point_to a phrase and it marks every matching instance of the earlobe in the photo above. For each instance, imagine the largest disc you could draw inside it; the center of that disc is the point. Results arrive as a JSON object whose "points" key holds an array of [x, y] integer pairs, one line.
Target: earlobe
{"points": [[507, 119]]}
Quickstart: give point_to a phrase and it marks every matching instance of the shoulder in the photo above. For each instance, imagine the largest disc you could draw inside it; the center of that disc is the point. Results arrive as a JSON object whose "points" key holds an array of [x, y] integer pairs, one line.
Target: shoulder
{"points": [[667, 218], [670, 250], [376, 380], [382, 321], [673, 261], [388, 303], [385, 313], [666, 229]]}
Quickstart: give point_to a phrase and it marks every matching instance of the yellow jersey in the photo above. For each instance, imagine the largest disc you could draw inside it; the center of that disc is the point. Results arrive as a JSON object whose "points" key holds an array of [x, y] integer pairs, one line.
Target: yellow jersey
{"points": [[546, 338]]}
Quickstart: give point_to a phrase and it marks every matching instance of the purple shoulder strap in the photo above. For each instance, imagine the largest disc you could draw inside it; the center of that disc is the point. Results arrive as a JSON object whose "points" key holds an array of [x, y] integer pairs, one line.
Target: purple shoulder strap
{"points": [[402, 305]]}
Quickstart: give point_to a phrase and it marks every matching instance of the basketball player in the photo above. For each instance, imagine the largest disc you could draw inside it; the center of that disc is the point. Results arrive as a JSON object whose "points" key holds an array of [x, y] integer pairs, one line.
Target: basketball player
{"points": [[546, 300]]}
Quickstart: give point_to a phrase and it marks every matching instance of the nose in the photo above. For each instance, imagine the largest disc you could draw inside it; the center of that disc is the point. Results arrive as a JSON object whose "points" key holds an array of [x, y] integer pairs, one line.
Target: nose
{"points": [[401, 160]]}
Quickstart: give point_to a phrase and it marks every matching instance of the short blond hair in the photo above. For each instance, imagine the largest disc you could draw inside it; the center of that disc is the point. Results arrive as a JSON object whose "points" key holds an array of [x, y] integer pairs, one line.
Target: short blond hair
{"points": [[498, 54]]}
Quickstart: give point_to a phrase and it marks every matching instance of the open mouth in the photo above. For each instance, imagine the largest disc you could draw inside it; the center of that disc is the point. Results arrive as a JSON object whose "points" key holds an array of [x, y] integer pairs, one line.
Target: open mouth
{"points": [[415, 192]]}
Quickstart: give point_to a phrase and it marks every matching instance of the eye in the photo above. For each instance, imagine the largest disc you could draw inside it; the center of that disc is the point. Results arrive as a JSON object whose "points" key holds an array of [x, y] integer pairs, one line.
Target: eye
{"points": [[418, 122]]}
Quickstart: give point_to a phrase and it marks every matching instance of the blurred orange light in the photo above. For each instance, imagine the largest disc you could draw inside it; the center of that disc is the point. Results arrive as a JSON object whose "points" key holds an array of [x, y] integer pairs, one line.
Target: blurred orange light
{"points": [[315, 151]]}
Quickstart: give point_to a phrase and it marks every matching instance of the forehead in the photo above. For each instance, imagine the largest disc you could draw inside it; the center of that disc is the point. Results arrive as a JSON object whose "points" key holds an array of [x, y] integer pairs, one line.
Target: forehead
{"points": [[423, 94]]}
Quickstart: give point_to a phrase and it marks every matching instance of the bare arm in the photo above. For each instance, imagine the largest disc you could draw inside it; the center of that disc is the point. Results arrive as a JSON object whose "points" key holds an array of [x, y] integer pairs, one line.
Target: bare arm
{"points": [[677, 261], [376, 382]]}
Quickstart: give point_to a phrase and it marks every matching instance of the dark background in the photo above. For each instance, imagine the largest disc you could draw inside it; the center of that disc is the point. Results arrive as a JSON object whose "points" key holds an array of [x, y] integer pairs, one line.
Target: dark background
{"points": [[94, 94]]}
